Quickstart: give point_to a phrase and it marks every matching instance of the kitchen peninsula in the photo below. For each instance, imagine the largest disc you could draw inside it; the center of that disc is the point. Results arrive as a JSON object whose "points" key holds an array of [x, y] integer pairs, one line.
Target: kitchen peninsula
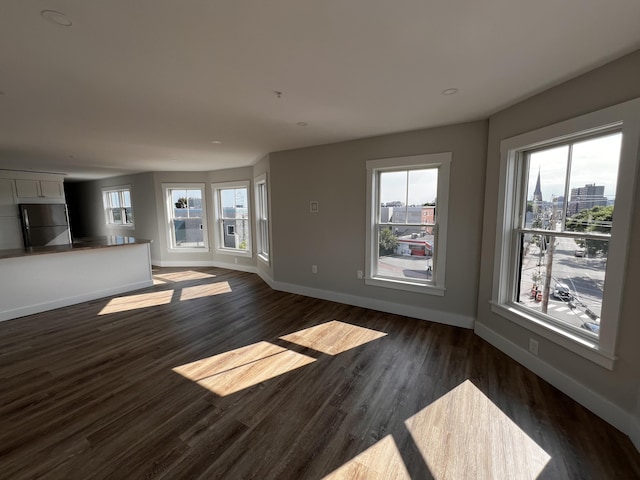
{"points": [[37, 279]]}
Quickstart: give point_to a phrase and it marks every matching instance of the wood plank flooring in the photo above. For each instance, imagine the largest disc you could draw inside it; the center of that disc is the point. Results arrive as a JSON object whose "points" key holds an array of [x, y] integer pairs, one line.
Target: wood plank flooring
{"points": [[211, 374]]}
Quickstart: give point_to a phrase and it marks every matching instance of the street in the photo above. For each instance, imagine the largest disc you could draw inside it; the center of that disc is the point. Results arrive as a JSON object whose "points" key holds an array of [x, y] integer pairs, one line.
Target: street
{"points": [[584, 277]]}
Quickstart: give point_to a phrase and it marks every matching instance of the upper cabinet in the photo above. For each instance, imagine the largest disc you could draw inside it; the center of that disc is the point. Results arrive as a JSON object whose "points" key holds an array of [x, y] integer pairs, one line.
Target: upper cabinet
{"points": [[29, 187], [39, 189]]}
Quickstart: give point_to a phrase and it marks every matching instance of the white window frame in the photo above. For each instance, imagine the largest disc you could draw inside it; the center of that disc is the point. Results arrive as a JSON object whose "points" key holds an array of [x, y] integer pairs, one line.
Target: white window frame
{"points": [[624, 117], [441, 161], [108, 214], [262, 217], [216, 188], [168, 207]]}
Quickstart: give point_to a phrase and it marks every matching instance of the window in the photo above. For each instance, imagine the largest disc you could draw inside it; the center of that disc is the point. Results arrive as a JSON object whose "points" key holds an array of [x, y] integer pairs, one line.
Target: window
{"points": [[560, 250], [407, 211], [117, 206], [262, 217], [233, 234], [186, 214]]}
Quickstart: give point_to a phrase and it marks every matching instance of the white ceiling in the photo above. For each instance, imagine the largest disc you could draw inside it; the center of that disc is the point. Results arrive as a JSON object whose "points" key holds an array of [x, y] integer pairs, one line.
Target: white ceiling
{"points": [[146, 85]]}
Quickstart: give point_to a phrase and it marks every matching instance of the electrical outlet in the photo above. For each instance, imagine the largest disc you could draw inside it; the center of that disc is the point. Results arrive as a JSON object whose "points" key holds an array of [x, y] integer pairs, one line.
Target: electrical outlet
{"points": [[235, 259], [314, 269], [533, 346], [360, 275]]}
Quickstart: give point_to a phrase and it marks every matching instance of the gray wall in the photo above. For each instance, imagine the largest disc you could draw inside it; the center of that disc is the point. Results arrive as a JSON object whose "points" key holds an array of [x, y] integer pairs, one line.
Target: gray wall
{"points": [[334, 238], [88, 218], [614, 83]]}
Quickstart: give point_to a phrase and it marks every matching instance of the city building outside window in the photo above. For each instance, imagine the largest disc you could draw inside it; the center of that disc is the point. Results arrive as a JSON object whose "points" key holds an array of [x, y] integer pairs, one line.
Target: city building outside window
{"points": [[560, 254], [117, 206], [231, 210], [186, 217], [407, 208]]}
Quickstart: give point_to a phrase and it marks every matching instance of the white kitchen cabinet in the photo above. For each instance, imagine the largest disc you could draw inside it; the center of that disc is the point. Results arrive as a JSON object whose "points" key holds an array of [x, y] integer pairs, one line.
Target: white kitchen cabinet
{"points": [[10, 232], [8, 202], [48, 189]]}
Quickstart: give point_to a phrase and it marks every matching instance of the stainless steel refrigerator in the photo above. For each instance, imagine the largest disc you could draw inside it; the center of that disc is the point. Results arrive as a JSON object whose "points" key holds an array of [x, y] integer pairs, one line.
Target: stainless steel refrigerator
{"points": [[45, 224]]}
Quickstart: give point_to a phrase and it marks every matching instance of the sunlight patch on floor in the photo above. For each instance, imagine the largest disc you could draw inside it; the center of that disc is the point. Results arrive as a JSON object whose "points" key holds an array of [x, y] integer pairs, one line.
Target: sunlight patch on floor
{"points": [[134, 302], [244, 367], [464, 434], [207, 290], [380, 461], [181, 276], [333, 337]]}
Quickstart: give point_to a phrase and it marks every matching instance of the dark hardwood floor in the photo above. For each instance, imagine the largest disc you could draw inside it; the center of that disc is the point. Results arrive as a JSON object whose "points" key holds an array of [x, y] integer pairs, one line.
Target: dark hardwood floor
{"points": [[211, 374]]}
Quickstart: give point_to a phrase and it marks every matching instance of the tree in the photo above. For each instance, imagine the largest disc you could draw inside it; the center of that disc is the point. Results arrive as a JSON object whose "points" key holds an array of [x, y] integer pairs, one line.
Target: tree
{"points": [[596, 219], [181, 203], [387, 242]]}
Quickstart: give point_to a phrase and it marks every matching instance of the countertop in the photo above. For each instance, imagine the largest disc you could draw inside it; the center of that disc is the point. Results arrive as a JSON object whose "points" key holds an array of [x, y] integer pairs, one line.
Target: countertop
{"points": [[77, 245]]}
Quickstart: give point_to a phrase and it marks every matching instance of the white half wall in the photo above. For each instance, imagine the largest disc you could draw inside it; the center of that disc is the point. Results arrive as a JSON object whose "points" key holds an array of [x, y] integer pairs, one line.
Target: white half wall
{"points": [[37, 283]]}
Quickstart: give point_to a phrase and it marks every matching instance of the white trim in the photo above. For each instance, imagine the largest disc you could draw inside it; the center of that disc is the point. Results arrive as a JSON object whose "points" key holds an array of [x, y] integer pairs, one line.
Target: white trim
{"points": [[119, 189], [204, 263], [218, 231], [421, 313], [626, 118], [72, 300], [596, 403], [257, 217], [441, 161], [168, 217], [564, 338]]}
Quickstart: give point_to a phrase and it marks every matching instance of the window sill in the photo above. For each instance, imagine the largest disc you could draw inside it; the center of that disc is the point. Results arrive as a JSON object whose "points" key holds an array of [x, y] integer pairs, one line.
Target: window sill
{"points": [[406, 286], [188, 250], [574, 343], [263, 258], [234, 252], [120, 226]]}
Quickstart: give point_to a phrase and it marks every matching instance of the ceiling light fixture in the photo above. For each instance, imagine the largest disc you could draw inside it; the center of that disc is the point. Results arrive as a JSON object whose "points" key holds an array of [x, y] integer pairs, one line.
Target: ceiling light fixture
{"points": [[216, 142], [449, 91], [56, 17], [302, 124]]}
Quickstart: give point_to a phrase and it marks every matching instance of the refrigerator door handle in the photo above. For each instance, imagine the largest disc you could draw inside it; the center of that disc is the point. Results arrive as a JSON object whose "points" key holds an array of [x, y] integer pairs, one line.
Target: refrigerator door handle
{"points": [[25, 215]]}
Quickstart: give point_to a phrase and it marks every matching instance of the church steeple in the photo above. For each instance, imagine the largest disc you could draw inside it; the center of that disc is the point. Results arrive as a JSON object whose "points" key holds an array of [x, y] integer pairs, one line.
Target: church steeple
{"points": [[537, 193]]}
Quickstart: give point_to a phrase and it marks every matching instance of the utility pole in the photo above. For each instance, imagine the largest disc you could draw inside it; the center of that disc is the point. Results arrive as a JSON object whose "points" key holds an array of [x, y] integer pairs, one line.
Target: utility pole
{"points": [[549, 264]]}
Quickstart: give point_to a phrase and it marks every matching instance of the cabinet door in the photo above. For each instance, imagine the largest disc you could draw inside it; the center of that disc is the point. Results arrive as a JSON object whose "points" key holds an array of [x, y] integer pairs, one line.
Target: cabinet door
{"points": [[28, 188], [8, 207], [51, 189], [10, 233]]}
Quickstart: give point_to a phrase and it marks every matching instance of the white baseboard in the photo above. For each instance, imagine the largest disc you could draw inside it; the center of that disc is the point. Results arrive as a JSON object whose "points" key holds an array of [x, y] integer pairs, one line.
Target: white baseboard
{"points": [[72, 300], [204, 263], [421, 313], [586, 397]]}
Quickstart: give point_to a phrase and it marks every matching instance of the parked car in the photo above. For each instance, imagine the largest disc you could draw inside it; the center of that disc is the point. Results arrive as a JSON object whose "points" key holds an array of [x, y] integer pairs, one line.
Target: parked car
{"points": [[591, 326], [562, 292], [579, 252]]}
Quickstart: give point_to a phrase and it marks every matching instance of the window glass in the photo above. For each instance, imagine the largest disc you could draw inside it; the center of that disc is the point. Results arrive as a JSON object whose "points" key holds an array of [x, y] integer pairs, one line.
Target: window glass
{"points": [[408, 232], [118, 208], [232, 218], [186, 212], [563, 275]]}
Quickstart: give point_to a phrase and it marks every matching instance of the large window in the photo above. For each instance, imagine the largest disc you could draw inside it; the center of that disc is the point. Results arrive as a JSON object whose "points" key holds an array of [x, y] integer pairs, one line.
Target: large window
{"points": [[262, 218], [186, 216], [407, 212], [117, 206], [560, 256], [233, 232]]}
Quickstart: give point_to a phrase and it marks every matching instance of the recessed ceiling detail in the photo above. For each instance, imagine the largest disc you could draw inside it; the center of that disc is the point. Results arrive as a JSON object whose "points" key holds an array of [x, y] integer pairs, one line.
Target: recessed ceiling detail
{"points": [[450, 91], [56, 17]]}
